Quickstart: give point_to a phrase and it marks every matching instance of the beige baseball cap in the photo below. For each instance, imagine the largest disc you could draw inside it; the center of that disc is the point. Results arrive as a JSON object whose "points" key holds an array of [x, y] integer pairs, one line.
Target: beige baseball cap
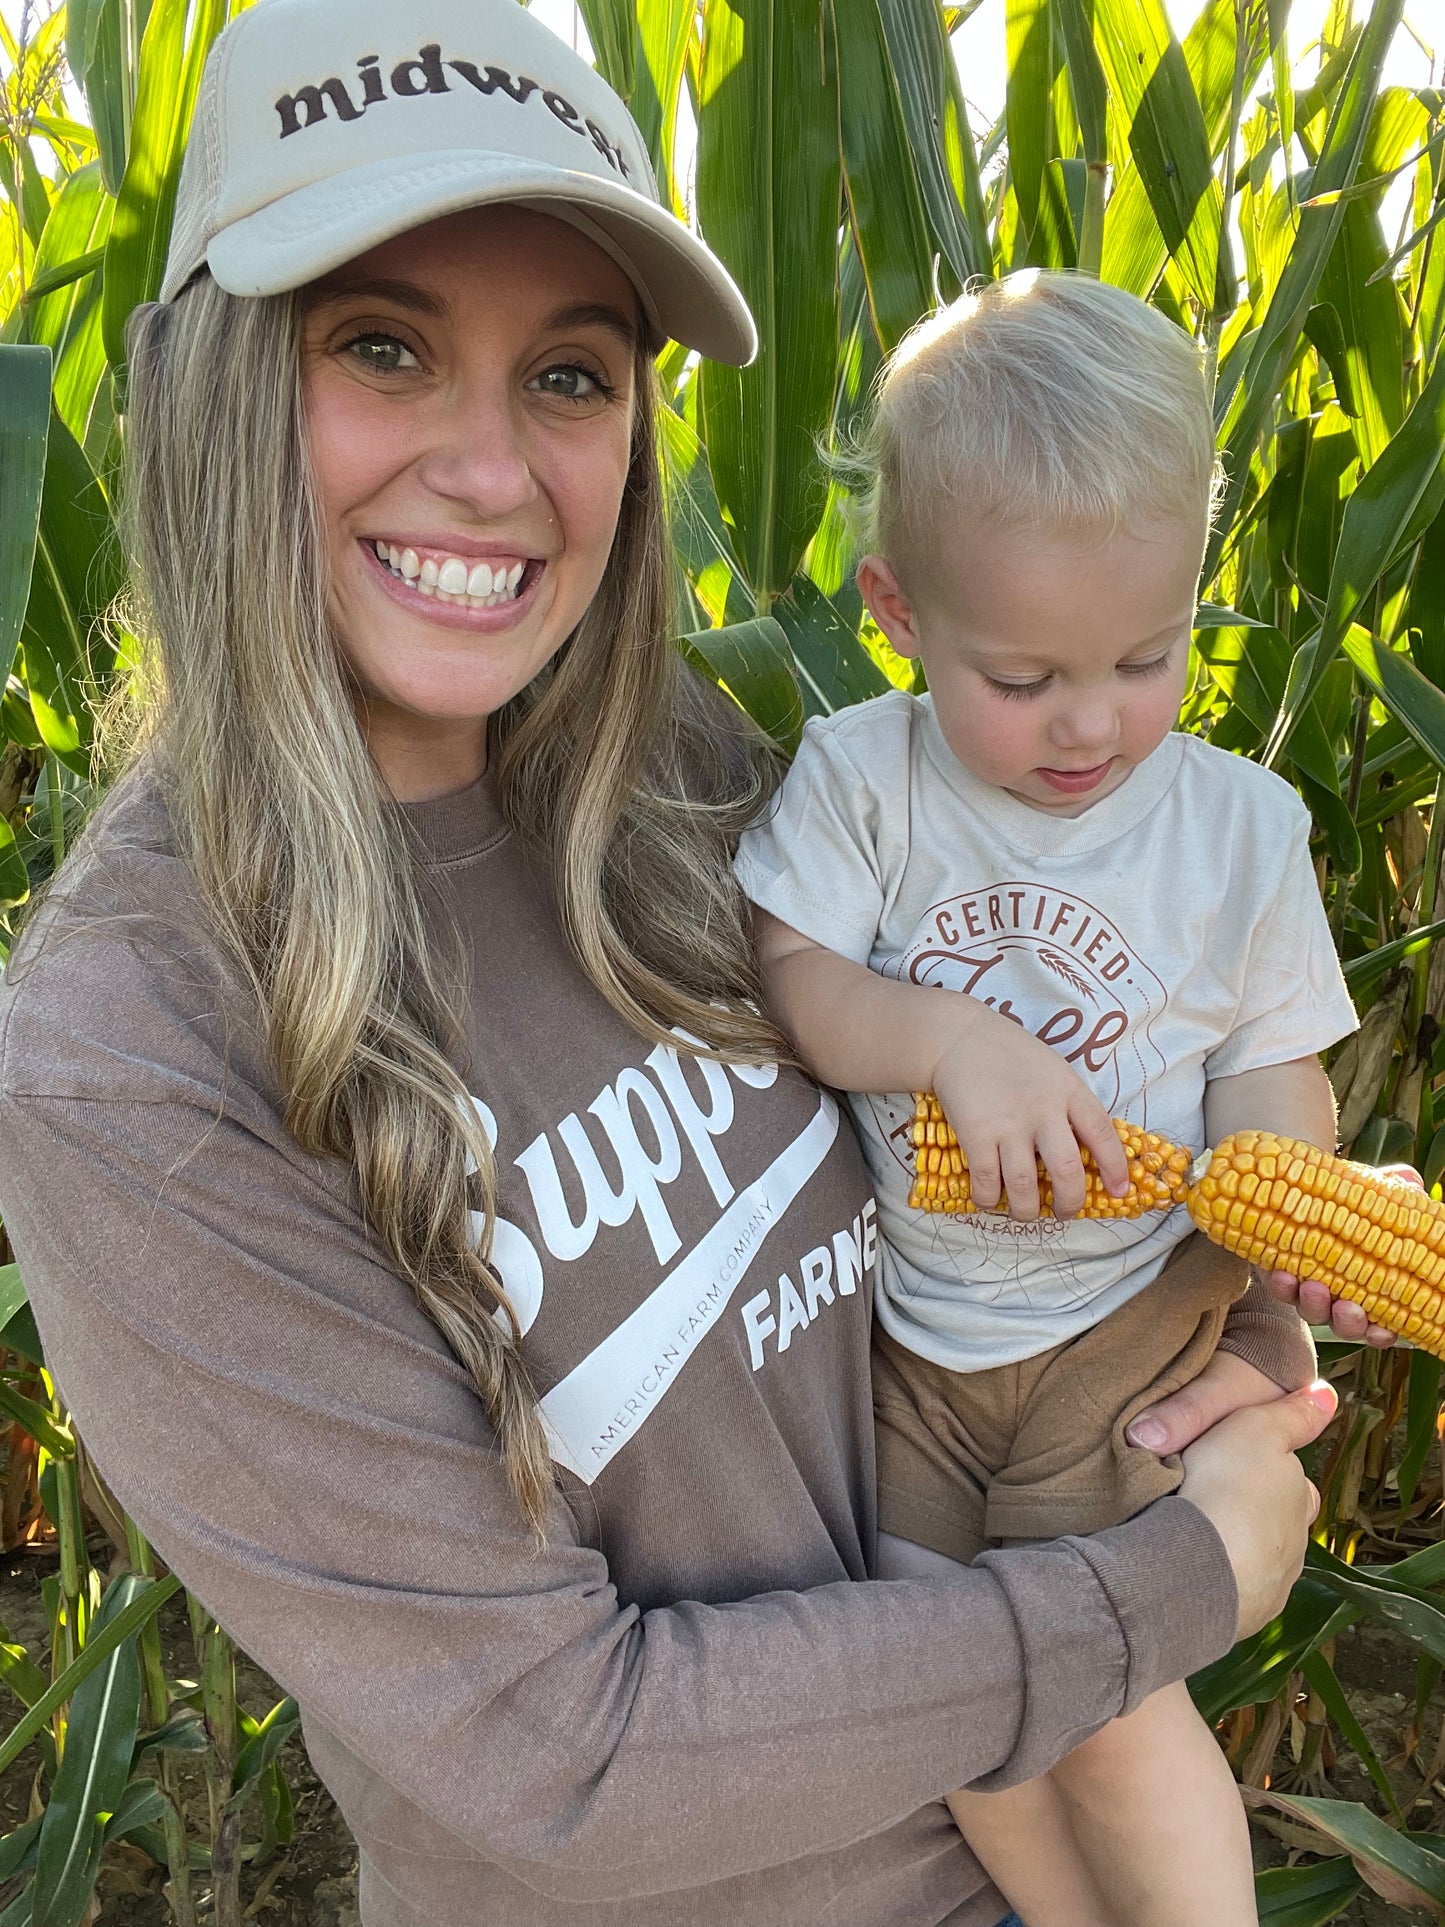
{"points": [[323, 127]]}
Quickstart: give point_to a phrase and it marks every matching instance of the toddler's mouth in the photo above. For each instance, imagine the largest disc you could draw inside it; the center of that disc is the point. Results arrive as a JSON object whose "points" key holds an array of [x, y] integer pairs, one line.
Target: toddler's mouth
{"points": [[1076, 782]]}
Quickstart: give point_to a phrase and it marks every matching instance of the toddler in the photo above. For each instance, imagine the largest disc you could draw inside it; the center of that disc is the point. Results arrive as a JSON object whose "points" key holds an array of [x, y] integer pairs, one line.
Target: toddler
{"points": [[1035, 834]]}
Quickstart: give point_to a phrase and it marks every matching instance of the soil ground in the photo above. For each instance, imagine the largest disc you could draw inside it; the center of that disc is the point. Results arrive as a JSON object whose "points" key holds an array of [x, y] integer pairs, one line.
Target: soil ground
{"points": [[312, 1882]]}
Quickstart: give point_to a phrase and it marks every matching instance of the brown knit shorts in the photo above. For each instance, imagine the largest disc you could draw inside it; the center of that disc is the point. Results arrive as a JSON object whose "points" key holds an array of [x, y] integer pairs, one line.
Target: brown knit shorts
{"points": [[1034, 1450]]}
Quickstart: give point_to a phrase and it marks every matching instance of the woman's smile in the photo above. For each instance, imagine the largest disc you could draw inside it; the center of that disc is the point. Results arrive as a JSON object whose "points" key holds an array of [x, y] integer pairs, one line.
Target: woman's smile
{"points": [[484, 591]]}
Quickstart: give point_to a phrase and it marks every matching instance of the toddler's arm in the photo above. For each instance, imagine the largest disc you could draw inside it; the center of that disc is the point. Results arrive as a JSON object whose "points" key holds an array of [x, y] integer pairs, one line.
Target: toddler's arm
{"points": [[1293, 1100], [1008, 1097]]}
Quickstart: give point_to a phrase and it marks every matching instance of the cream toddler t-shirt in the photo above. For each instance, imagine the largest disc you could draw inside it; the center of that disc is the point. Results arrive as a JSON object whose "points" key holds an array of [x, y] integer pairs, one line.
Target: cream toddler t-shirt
{"points": [[1169, 935]]}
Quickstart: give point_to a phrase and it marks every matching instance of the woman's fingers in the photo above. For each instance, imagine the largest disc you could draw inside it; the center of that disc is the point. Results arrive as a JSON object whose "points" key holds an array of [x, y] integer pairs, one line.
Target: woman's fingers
{"points": [[1226, 1384]]}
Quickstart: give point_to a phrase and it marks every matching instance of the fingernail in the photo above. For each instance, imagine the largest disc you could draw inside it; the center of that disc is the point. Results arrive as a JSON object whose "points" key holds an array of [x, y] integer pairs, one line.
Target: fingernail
{"points": [[1147, 1432]]}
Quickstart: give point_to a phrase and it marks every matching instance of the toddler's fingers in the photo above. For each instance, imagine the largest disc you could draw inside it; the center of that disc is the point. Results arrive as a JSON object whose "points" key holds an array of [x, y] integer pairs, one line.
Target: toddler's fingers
{"points": [[984, 1178], [1094, 1128], [1020, 1173], [1059, 1154]]}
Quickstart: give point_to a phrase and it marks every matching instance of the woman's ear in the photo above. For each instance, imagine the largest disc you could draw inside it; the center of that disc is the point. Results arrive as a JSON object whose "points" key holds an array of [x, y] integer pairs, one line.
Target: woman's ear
{"points": [[888, 605]]}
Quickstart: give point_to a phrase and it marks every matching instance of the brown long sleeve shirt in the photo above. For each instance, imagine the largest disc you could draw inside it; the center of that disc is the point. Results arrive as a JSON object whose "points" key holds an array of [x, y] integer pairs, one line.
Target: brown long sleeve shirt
{"points": [[693, 1708]]}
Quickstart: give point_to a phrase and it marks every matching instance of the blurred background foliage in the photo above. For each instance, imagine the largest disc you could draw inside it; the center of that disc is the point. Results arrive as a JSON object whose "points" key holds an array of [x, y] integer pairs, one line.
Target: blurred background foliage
{"points": [[1285, 204]]}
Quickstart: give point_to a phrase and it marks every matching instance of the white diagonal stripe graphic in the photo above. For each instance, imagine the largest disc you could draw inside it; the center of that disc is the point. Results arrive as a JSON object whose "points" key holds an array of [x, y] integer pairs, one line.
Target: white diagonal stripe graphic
{"points": [[601, 1402]]}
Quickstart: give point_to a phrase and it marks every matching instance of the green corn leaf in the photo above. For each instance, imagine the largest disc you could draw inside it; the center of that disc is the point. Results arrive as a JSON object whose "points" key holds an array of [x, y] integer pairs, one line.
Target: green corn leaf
{"points": [[77, 574], [1411, 1859], [890, 225], [20, 1673], [170, 72], [768, 173], [1398, 497], [65, 274], [24, 429], [1410, 697], [1279, 332], [99, 38], [141, 1805], [754, 664], [663, 27], [1361, 972], [939, 134], [37, 1420], [186, 1733], [102, 1642], [17, 1849], [94, 1769], [612, 29], [699, 534], [1260, 1667], [1320, 1675], [1135, 252], [71, 248], [1045, 234], [834, 669], [12, 1293], [1152, 91], [1380, 1592], [1422, 1403], [1305, 1896], [1090, 93], [262, 1747]]}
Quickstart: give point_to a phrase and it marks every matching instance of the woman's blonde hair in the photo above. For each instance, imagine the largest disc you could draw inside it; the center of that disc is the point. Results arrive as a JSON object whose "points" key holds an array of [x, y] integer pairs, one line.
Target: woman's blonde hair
{"points": [[305, 863], [1042, 400]]}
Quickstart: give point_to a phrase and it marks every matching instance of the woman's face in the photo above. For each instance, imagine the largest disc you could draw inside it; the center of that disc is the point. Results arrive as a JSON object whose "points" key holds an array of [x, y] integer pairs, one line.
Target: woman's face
{"points": [[468, 398]]}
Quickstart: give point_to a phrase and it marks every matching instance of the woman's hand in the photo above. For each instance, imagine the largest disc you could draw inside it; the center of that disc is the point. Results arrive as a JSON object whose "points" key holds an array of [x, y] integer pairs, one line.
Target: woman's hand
{"points": [[1313, 1300], [1227, 1384], [1244, 1477]]}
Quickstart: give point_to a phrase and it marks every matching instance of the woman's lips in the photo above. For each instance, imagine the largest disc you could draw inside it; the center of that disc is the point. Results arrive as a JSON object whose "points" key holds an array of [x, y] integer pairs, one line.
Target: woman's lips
{"points": [[1076, 782], [454, 615]]}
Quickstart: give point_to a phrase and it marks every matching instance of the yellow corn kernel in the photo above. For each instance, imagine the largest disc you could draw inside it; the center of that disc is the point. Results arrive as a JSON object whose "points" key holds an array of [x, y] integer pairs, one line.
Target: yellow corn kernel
{"points": [[1380, 1242], [1158, 1170]]}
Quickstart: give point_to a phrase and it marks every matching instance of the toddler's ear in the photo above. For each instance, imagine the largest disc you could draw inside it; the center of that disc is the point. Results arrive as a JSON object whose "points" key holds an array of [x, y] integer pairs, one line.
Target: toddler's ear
{"points": [[887, 604]]}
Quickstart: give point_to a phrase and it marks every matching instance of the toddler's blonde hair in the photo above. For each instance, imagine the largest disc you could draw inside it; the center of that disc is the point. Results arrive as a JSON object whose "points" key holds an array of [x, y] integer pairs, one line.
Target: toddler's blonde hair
{"points": [[1042, 400]]}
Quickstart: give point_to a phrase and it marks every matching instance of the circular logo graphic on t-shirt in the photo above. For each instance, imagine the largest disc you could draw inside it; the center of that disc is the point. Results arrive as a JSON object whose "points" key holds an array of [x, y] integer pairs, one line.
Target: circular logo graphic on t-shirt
{"points": [[1052, 963]]}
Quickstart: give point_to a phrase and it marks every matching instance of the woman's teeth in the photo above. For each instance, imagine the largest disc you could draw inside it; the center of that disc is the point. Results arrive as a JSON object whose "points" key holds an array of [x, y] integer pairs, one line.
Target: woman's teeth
{"points": [[475, 585]]}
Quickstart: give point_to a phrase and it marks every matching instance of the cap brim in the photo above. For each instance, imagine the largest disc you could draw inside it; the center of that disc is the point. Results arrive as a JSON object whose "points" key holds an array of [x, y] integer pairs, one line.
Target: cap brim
{"points": [[686, 292]]}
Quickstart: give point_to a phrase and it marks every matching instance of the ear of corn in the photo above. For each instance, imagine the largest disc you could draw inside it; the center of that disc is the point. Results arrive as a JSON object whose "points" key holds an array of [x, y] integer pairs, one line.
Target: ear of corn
{"points": [[1278, 1202], [1158, 1171], [1289, 1206]]}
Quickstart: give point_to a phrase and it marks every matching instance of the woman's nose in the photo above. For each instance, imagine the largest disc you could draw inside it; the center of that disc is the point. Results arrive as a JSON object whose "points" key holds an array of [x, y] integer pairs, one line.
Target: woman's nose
{"points": [[478, 457]]}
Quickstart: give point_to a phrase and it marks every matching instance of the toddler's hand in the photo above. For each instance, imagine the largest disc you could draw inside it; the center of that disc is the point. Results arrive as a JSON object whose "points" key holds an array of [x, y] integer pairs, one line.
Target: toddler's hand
{"points": [[1313, 1301], [1010, 1100]]}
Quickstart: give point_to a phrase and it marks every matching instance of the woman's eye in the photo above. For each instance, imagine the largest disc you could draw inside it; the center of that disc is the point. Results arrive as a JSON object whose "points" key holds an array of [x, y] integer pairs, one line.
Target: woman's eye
{"points": [[383, 353], [568, 382]]}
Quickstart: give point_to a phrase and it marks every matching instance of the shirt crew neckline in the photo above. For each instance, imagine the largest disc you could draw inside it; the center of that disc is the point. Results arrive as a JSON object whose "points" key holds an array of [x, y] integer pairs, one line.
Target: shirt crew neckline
{"points": [[1036, 833], [461, 824]]}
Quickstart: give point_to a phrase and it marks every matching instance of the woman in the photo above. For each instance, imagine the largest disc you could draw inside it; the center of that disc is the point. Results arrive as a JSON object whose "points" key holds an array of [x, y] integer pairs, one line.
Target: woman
{"points": [[401, 935]]}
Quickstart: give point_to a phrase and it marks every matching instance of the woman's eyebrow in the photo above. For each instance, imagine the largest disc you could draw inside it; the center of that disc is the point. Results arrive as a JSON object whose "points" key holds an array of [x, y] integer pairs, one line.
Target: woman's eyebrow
{"points": [[405, 294], [595, 314]]}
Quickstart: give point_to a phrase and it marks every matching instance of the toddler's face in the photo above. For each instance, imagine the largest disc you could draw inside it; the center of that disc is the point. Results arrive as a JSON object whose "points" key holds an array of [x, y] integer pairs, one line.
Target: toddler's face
{"points": [[1056, 662]]}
